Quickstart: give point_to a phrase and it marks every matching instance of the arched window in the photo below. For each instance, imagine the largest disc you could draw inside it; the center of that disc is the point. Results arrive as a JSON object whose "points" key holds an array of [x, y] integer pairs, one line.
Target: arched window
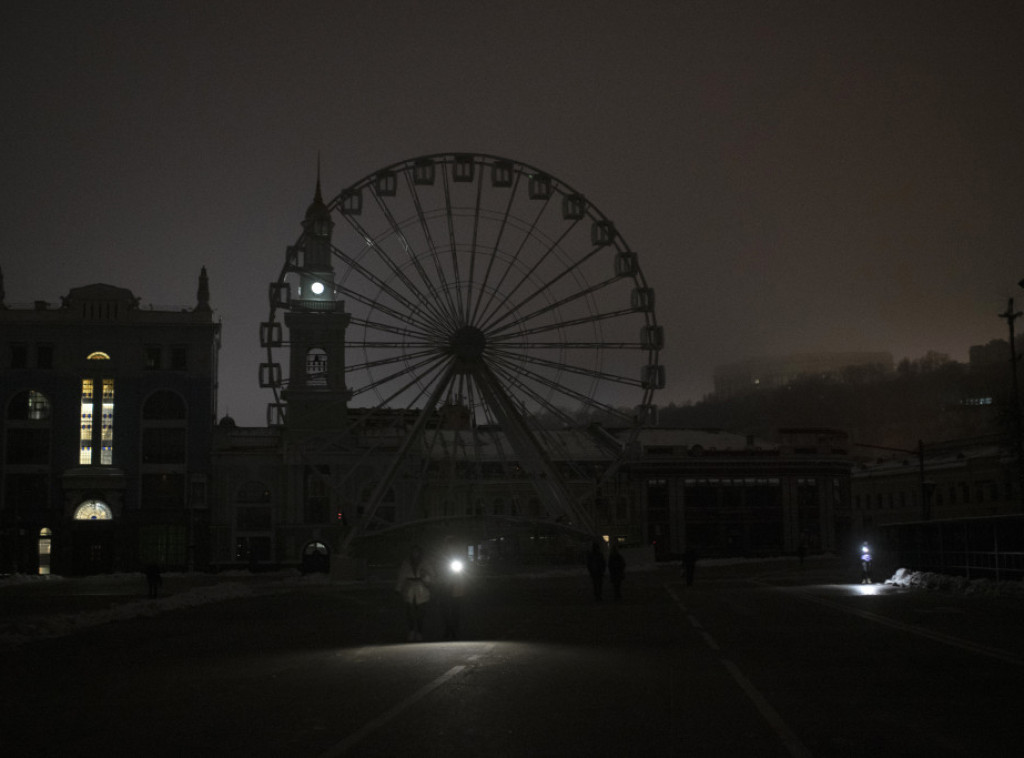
{"points": [[93, 510], [316, 367], [29, 405], [98, 356]]}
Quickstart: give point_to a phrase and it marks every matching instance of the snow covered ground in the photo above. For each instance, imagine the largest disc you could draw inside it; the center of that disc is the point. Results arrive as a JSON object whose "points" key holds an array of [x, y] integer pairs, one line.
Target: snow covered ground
{"points": [[21, 629], [958, 584]]}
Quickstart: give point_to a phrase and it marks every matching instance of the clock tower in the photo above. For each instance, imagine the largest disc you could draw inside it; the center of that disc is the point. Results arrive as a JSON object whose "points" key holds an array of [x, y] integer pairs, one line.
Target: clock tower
{"points": [[316, 396]]}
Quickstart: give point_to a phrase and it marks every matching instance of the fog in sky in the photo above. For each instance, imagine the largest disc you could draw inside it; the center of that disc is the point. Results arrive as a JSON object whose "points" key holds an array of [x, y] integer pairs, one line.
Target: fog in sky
{"points": [[795, 176]]}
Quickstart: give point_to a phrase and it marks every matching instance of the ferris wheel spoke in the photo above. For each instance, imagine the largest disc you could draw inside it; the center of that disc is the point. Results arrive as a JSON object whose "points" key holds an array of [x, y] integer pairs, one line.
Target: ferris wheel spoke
{"points": [[581, 294], [434, 365], [372, 279], [368, 345], [453, 248], [528, 392], [548, 480], [471, 286], [551, 283], [353, 368], [495, 246], [567, 345], [566, 324], [399, 316], [440, 289], [426, 291], [570, 368], [492, 307], [428, 334], [514, 376], [389, 263], [412, 434]]}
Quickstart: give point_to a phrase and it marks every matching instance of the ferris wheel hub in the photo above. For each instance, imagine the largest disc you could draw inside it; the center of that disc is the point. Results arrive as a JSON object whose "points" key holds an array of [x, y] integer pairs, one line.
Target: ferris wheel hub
{"points": [[468, 343]]}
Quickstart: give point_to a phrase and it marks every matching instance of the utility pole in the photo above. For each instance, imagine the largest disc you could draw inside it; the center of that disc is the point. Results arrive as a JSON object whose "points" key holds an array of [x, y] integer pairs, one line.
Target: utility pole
{"points": [[1010, 315]]}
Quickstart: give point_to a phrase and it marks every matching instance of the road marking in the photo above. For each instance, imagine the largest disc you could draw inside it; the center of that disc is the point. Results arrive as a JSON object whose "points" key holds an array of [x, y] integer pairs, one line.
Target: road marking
{"points": [[357, 736], [788, 737], [970, 647]]}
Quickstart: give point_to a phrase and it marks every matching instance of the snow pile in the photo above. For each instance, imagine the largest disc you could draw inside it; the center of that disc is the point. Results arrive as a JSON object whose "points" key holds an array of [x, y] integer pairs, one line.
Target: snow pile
{"points": [[928, 580]]}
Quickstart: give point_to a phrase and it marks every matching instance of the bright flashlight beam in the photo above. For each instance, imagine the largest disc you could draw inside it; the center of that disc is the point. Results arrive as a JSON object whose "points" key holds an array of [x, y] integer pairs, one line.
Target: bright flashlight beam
{"points": [[455, 566]]}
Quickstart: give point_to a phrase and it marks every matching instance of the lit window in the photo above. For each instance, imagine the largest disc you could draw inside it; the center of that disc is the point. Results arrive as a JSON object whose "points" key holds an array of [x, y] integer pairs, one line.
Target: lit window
{"points": [[107, 424], [85, 446], [93, 510], [98, 356], [88, 428]]}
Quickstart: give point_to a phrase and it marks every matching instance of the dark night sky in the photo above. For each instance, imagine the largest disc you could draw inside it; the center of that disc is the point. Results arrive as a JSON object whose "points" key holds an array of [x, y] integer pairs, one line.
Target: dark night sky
{"points": [[795, 176]]}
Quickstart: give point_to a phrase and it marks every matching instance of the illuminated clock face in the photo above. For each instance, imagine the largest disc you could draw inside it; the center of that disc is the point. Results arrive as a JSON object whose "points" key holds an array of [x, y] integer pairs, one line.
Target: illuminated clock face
{"points": [[318, 288]]}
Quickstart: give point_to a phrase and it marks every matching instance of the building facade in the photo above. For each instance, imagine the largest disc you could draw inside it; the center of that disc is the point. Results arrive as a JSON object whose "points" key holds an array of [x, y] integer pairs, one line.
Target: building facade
{"points": [[113, 457], [728, 495], [107, 417], [968, 478]]}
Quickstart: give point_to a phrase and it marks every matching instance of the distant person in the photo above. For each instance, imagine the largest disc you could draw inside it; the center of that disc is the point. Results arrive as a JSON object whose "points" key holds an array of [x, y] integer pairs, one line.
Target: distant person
{"points": [[595, 567], [153, 579], [689, 565], [450, 588], [616, 571], [865, 564], [413, 584]]}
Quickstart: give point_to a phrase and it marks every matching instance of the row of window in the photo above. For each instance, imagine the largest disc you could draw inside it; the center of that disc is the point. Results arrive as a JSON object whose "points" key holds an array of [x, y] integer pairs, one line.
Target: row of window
{"points": [[40, 355], [957, 493], [30, 444], [32, 405]]}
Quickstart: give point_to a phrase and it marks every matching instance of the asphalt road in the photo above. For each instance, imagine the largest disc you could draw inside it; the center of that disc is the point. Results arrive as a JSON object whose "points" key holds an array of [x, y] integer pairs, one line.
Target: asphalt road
{"points": [[768, 661]]}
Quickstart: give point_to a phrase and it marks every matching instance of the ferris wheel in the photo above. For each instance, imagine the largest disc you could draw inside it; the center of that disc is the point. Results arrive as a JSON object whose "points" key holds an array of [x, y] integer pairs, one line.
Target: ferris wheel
{"points": [[494, 323]]}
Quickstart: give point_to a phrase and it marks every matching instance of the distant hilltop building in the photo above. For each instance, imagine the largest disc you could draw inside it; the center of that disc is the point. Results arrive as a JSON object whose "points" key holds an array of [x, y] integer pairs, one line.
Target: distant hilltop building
{"points": [[753, 374], [991, 353]]}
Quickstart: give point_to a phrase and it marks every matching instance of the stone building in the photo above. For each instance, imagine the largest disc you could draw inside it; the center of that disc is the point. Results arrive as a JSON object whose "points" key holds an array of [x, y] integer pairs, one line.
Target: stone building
{"points": [[107, 414]]}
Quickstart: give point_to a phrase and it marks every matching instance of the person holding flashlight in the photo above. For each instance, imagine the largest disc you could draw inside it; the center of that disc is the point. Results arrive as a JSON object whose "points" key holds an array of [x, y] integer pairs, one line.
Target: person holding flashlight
{"points": [[865, 564]]}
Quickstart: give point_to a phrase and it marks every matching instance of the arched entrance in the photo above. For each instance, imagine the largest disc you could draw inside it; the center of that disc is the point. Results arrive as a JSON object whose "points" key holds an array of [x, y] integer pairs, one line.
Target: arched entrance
{"points": [[93, 538], [316, 558]]}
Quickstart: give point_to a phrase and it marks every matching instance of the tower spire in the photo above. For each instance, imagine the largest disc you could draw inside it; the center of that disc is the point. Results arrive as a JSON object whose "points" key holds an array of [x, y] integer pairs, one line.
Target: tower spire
{"points": [[203, 294], [318, 197], [318, 217]]}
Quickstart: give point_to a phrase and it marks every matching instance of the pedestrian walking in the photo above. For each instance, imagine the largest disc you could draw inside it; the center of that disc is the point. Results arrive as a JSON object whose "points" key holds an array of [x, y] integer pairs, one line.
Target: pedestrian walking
{"points": [[413, 585], [616, 571], [596, 566]]}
